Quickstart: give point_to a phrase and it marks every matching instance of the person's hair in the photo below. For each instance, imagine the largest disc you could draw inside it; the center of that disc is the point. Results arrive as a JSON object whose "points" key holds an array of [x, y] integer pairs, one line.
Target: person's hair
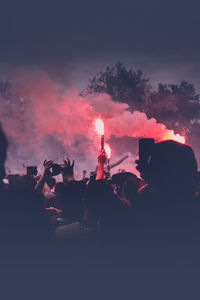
{"points": [[172, 167], [127, 184], [131, 187]]}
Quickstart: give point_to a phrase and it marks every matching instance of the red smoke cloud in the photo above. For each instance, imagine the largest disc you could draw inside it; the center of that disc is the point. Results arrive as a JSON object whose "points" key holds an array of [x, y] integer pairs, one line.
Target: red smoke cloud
{"points": [[48, 109]]}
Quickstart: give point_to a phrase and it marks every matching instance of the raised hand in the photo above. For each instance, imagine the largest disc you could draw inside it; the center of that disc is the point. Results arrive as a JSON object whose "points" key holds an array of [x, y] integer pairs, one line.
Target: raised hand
{"points": [[48, 164], [102, 157], [46, 174], [101, 161], [84, 174], [68, 170]]}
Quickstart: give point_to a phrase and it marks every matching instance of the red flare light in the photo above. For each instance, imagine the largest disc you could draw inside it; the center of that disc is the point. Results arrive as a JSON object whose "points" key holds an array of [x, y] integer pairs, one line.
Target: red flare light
{"points": [[99, 126], [175, 137], [108, 150], [179, 138]]}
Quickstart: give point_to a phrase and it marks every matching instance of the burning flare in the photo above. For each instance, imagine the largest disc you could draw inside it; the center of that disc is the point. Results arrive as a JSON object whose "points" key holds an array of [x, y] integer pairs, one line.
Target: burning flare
{"points": [[179, 138], [175, 137], [99, 126], [108, 150]]}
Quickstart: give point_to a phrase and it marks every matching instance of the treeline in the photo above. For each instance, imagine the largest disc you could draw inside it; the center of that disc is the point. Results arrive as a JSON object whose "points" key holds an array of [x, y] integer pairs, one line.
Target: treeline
{"points": [[175, 105]]}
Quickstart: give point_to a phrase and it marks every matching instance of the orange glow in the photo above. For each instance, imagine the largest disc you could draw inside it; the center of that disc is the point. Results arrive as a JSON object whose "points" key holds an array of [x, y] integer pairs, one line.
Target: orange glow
{"points": [[108, 150], [175, 137], [179, 138], [99, 126]]}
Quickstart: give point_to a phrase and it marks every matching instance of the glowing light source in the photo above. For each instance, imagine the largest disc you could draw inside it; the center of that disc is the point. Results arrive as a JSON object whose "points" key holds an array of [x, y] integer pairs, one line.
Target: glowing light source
{"points": [[108, 150], [99, 126], [179, 138], [175, 137]]}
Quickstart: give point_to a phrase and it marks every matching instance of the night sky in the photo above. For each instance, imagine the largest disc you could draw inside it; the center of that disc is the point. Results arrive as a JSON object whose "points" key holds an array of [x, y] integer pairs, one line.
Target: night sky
{"points": [[72, 40]]}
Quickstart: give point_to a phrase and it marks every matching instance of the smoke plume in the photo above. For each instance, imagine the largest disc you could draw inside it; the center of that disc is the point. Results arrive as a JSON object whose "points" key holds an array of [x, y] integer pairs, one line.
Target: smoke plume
{"points": [[44, 121]]}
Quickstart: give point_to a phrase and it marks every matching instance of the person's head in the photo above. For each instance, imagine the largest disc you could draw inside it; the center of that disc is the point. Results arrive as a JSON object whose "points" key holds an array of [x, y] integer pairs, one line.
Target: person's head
{"points": [[130, 187], [71, 199], [3, 151], [59, 189], [98, 199], [24, 184], [172, 167], [119, 180], [105, 208]]}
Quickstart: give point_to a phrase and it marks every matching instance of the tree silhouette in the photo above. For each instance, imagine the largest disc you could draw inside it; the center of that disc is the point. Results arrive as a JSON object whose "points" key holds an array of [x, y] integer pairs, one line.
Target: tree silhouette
{"points": [[129, 86], [177, 106]]}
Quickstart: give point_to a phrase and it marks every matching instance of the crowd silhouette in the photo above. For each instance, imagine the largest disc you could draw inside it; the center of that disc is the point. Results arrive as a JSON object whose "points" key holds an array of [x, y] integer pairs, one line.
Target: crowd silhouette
{"points": [[103, 229]]}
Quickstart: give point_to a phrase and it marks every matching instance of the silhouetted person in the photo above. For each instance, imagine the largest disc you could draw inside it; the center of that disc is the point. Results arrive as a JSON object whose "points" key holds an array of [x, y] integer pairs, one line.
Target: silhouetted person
{"points": [[172, 169], [166, 220]]}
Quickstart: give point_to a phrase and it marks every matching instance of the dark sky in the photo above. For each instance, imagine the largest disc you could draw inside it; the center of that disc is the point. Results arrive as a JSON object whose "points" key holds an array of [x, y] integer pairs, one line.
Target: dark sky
{"points": [[78, 38]]}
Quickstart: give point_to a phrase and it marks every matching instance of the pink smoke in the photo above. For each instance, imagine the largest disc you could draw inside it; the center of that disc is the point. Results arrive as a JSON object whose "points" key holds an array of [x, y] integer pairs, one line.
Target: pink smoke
{"points": [[47, 109]]}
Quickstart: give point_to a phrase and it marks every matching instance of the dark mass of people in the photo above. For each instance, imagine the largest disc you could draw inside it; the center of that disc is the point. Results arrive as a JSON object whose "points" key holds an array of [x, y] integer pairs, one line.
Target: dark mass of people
{"points": [[102, 225]]}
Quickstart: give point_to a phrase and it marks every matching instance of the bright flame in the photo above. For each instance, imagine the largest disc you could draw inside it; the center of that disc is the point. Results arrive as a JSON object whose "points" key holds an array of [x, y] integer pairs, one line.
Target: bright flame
{"points": [[179, 138], [175, 137], [99, 126], [108, 150]]}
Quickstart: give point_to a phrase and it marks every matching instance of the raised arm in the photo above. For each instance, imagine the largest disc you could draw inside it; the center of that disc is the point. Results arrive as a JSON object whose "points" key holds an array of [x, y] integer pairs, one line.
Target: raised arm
{"points": [[46, 174], [68, 170], [101, 161]]}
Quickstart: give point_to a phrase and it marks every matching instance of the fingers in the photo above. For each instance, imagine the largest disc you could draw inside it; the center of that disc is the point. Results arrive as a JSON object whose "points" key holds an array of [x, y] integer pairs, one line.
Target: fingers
{"points": [[102, 153], [48, 163], [102, 156], [67, 163]]}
